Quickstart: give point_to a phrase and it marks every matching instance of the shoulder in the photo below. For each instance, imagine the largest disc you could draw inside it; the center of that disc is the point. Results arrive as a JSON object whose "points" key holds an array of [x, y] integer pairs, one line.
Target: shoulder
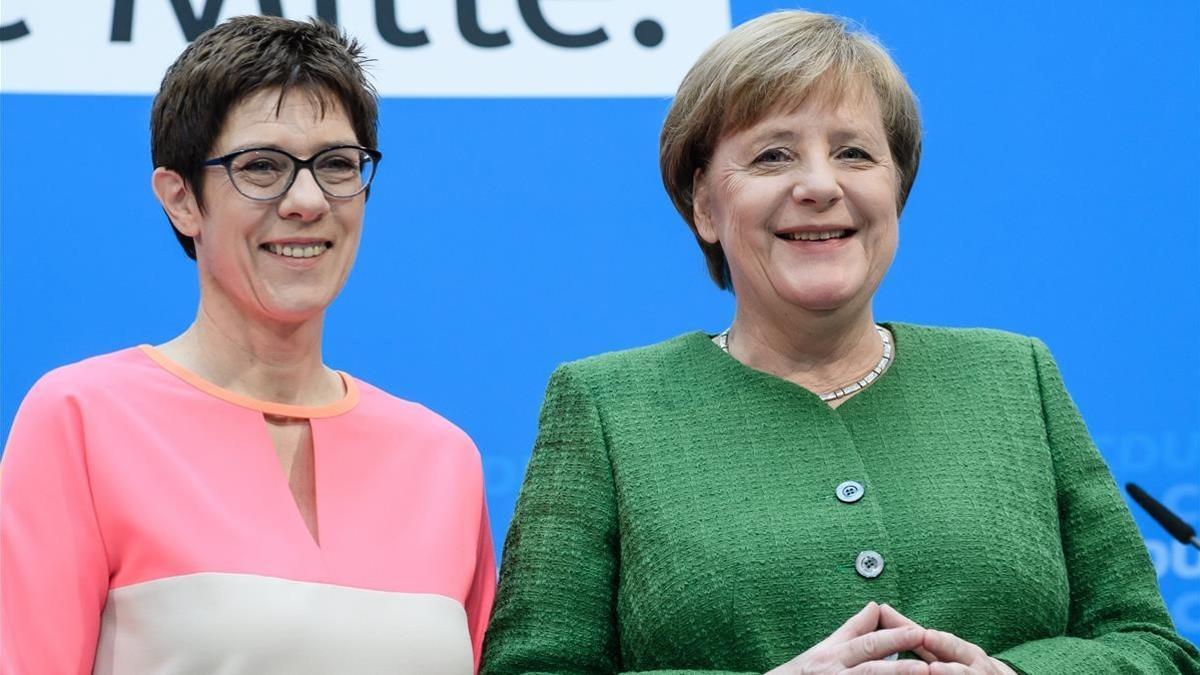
{"points": [[49, 424], [659, 362], [385, 413], [941, 337], [978, 359], [90, 378], [954, 345]]}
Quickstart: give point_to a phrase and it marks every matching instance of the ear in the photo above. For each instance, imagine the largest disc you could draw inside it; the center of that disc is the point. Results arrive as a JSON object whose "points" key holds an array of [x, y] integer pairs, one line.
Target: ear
{"points": [[701, 209], [177, 200]]}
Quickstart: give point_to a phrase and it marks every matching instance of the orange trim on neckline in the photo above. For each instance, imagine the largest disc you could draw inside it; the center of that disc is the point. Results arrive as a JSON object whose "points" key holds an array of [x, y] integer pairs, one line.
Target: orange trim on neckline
{"points": [[267, 407]]}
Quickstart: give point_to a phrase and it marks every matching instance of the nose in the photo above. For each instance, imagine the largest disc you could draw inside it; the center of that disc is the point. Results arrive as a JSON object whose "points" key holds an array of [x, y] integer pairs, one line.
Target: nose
{"points": [[816, 185], [304, 200]]}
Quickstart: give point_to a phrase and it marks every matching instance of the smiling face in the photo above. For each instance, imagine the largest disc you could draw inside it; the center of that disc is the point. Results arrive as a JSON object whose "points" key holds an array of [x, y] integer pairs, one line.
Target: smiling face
{"points": [[803, 204], [283, 260]]}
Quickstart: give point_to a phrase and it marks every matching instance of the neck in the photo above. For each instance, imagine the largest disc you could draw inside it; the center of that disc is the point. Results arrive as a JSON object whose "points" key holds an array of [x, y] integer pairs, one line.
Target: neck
{"points": [[268, 361], [818, 351]]}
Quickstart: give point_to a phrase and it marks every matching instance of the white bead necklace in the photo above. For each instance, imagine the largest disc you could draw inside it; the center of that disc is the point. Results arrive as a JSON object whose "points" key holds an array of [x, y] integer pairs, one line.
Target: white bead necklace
{"points": [[722, 341]]}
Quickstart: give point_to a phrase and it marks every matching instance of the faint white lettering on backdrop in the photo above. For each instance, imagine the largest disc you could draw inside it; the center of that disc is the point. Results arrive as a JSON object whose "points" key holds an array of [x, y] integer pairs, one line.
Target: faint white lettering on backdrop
{"points": [[453, 48]]}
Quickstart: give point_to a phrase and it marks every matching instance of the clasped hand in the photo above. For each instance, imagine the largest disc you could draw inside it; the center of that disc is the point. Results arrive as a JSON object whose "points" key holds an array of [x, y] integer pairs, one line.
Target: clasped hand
{"points": [[861, 645]]}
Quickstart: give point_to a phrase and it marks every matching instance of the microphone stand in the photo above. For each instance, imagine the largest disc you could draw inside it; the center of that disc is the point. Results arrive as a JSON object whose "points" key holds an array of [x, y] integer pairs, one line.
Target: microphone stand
{"points": [[1173, 524]]}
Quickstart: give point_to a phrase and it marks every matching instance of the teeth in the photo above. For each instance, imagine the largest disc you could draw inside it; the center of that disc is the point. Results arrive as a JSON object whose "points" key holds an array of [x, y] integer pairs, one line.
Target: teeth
{"points": [[309, 251], [814, 236]]}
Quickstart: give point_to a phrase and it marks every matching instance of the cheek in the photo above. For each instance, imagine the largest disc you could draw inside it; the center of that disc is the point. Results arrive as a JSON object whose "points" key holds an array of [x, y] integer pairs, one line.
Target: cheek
{"points": [[884, 244], [747, 205], [873, 202], [352, 221], [884, 237]]}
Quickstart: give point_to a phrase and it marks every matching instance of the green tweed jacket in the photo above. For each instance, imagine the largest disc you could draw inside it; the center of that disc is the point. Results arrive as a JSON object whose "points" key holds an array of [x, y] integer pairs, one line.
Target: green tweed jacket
{"points": [[682, 514]]}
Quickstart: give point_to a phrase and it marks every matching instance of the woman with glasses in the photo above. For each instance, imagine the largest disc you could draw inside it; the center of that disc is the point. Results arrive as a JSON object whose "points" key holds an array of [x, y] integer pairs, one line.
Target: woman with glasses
{"points": [[226, 502]]}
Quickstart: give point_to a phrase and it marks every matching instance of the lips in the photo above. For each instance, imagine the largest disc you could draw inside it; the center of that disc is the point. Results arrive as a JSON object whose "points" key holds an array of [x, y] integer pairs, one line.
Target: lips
{"points": [[815, 236], [297, 248], [815, 233]]}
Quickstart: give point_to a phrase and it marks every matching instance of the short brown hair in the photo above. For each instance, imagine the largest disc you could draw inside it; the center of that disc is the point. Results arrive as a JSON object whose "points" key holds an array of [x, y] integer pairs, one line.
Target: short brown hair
{"points": [[243, 56], [774, 62]]}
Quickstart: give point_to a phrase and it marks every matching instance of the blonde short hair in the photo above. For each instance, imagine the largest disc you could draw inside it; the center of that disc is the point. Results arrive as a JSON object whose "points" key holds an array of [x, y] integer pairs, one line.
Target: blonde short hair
{"points": [[771, 63]]}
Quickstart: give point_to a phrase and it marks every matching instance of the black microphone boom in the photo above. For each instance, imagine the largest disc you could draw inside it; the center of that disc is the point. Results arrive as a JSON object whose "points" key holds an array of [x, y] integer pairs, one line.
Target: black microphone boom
{"points": [[1173, 524]]}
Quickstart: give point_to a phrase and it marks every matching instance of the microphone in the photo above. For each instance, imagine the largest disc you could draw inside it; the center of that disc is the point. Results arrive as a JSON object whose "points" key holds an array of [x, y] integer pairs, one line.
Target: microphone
{"points": [[1173, 524]]}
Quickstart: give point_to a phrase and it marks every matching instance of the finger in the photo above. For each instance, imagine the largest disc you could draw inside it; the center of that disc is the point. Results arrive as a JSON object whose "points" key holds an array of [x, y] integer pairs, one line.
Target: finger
{"points": [[865, 621], [890, 668], [890, 617], [1001, 667], [879, 644], [951, 648], [942, 668]]}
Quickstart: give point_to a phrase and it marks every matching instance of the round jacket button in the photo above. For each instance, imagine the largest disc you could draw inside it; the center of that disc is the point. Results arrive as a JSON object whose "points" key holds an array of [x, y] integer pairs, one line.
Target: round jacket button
{"points": [[849, 492], [869, 564]]}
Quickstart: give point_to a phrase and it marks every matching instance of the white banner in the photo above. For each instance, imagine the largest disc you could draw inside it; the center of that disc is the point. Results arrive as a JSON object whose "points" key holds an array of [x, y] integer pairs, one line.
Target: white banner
{"points": [[453, 48]]}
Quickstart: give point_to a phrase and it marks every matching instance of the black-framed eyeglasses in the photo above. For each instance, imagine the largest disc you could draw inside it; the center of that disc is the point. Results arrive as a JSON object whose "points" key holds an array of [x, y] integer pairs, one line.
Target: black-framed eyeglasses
{"points": [[264, 174]]}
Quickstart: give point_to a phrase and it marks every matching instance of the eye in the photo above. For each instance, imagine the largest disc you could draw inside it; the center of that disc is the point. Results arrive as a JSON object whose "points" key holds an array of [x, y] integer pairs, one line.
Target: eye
{"points": [[258, 165], [855, 154], [337, 167], [773, 156], [337, 163]]}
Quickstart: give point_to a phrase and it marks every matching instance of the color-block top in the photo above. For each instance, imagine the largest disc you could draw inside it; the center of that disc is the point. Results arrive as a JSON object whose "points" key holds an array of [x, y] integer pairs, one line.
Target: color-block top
{"points": [[146, 526], [682, 513]]}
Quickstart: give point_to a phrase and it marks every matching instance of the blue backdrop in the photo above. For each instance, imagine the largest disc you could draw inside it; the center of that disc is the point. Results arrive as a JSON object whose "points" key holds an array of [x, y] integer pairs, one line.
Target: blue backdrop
{"points": [[1058, 196]]}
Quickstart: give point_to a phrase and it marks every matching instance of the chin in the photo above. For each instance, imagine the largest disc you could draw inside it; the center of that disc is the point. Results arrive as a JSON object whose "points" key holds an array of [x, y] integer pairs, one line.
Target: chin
{"points": [[819, 304], [820, 296], [297, 310]]}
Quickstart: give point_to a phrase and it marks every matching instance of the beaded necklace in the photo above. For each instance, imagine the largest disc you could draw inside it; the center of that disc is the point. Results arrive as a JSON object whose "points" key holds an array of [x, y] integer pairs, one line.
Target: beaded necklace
{"points": [[722, 341]]}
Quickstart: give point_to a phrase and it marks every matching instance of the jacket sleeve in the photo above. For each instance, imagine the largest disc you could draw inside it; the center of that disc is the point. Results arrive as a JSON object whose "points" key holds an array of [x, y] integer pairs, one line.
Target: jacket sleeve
{"points": [[556, 605], [1117, 619], [53, 566]]}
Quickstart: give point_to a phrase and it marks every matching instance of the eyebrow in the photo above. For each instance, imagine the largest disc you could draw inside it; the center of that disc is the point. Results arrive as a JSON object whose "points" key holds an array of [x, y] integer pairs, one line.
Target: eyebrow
{"points": [[772, 136], [855, 133], [275, 146], [842, 134]]}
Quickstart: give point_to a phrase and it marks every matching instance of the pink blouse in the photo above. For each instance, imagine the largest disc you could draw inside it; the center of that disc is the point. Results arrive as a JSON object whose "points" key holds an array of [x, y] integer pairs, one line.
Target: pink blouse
{"points": [[146, 526]]}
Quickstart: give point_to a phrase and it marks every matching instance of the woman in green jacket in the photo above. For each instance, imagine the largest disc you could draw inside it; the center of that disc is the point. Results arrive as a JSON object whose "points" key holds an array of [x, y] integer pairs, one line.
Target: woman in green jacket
{"points": [[811, 491]]}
